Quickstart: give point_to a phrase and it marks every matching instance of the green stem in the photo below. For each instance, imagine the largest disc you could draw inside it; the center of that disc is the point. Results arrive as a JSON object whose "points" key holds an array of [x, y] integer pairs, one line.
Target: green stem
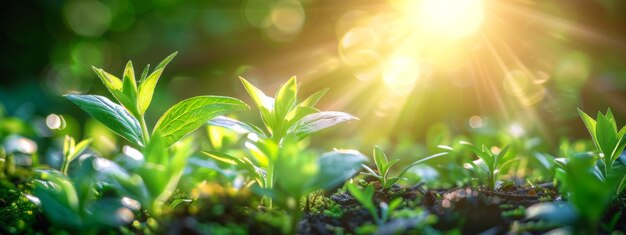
{"points": [[65, 165], [144, 129], [295, 216], [269, 180]]}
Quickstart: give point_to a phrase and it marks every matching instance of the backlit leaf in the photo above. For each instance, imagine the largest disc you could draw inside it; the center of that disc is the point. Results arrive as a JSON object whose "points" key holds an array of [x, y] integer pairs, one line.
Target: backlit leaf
{"points": [[188, 115], [112, 115]]}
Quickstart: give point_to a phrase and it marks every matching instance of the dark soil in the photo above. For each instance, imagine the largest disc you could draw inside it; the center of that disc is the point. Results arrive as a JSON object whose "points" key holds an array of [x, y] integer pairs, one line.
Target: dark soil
{"points": [[472, 210]]}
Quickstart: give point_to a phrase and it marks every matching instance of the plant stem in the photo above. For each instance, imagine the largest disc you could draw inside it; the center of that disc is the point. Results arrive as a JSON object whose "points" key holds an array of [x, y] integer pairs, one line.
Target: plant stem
{"points": [[144, 129], [65, 165], [269, 180], [295, 216]]}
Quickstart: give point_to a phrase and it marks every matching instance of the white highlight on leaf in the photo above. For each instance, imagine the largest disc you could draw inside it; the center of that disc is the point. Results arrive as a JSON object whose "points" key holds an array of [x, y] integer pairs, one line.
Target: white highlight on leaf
{"points": [[132, 153]]}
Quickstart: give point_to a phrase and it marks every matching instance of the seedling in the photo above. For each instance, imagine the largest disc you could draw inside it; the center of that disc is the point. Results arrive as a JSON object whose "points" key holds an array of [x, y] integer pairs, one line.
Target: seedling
{"points": [[300, 173], [126, 119], [285, 120], [492, 163], [75, 203], [587, 195], [384, 166], [609, 142], [365, 197], [154, 181], [71, 151]]}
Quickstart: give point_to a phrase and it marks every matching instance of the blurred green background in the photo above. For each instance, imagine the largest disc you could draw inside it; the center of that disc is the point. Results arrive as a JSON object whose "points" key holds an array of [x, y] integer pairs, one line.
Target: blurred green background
{"points": [[525, 70]]}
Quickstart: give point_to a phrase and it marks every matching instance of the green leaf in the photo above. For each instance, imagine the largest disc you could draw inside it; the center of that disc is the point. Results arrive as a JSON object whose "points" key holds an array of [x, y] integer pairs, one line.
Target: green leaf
{"points": [[258, 97], [611, 118], [243, 163], [590, 123], [286, 98], [188, 115], [365, 198], [146, 90], [312, 100], [165, 61], [606, 135], [501, 156], [111, 115], [264, 103], [129, 89], [236, 126], [116, 87], [621, 185], [68, 145], [381, 161], [415, 163], [318, 121], [144, 74], [80, 147], [110, 82], [338, 166], [621, 143]]}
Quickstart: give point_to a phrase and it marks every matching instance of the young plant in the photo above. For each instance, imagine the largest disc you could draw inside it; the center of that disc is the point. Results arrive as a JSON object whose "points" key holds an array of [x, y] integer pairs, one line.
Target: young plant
{"points": [[283, 116], [71, 151], [299, 173], [126, 119], [365, 197], [610, 143], [154, 181], [76, 203], [491, 163], [384, 166], [587, 195], [285, 119]]}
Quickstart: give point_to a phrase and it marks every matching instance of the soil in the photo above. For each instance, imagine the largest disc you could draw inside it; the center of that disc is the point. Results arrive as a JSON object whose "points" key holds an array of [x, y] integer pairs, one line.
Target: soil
{"points": [[472, 210]]}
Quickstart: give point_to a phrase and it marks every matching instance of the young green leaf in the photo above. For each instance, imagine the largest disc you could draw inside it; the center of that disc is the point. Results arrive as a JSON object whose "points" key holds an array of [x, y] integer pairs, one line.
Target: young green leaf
{"points": [[415, 163], [606, 135], [286, 98], [264, 103], [590, 124], [111, 115], [129, 89], [338, 166], [79, 148], [258, 97], [165, 61], [188, 115], [312, 100], [144, 74], [236, 126], [381, 161], [111, 82], [146, 90], [315, 122], [364, 196]]}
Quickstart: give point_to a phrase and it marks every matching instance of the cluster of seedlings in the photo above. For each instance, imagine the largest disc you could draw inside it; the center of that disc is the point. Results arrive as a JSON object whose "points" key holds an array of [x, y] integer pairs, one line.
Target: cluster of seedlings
{"points": [[264, 179]]}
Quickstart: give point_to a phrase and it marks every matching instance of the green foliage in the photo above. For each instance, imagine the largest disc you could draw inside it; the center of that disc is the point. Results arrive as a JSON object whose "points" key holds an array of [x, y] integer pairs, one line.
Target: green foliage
{"points": [[283, 116], [112, 115], [384, 166], [154, 181], [299, 173], [76, 203], [285, 120], [190, 114], [491, 163], [609, 142], [365, 197], [71, 151], [127, 119], [585, 191]]}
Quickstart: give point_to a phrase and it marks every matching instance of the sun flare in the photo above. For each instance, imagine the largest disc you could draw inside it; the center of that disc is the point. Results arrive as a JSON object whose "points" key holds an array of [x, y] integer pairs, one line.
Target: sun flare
{"points": [[451, 18]]}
